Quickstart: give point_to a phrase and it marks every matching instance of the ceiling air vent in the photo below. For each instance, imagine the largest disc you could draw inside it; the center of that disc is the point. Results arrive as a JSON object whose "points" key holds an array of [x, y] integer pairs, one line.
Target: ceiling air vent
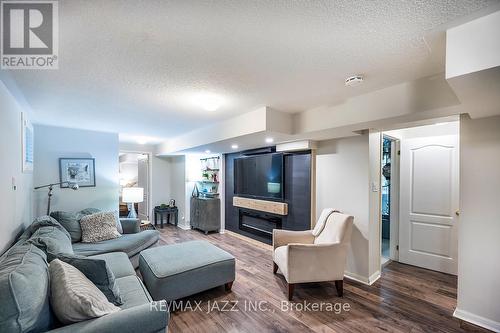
{"points": [[354, 80]]}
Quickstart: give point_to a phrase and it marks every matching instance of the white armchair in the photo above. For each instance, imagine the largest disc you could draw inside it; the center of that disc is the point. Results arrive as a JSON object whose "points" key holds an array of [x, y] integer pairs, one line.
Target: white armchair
{"points": [[314, 255]]}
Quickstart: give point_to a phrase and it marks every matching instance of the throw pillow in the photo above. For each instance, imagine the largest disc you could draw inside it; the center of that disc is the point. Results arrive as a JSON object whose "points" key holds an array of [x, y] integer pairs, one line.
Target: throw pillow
{"points": [[51, 239], [99, 227], [97, 271], [71, 221], [73, 297], [42, 221]]}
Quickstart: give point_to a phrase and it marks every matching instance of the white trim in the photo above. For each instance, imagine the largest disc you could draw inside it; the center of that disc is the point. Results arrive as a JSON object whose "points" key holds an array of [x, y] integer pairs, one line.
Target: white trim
{"points": [[356, 277], [363, 279], [373, 278], [150, 175], [183, 226], [477, 320]]}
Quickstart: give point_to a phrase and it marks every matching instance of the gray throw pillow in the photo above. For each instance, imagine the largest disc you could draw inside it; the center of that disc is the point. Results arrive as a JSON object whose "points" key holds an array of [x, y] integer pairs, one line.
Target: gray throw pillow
{"points": [[52, 240], [99, 227], [42, 221], [97, 271], [74, 297], [71, 222]]}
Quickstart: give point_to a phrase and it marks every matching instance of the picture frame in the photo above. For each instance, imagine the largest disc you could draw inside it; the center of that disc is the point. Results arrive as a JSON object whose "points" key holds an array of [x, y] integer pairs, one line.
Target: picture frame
{"points": [[77, 170], [27, 139]]}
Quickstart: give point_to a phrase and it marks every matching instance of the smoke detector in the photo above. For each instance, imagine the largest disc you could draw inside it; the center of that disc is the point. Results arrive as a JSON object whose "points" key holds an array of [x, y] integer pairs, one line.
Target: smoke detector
{"points": [[354, 80]]}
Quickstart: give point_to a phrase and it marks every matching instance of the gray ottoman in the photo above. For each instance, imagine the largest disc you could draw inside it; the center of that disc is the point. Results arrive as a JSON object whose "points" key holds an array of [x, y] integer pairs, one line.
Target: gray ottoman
{"points": [[174, 271]]}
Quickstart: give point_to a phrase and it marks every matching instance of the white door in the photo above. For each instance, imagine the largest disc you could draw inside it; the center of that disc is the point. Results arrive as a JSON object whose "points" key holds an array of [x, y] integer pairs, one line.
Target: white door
{"points": [[143, 181], [429, 202]]}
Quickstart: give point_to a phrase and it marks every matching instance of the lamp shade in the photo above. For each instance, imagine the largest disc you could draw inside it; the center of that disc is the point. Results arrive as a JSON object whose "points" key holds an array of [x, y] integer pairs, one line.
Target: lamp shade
{"points": [[132, 194]]}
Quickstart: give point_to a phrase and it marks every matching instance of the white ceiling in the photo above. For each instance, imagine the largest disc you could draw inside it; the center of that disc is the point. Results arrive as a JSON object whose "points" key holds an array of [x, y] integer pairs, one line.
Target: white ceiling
{"points": [[132, 66]]}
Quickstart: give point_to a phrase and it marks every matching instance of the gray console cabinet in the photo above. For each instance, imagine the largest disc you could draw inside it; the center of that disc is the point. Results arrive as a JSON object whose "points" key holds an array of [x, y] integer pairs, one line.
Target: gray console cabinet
{"points": [[205, 214]]}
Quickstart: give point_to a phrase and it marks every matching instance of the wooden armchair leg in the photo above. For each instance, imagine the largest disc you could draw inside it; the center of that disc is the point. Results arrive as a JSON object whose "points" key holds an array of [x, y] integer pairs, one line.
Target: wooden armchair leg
{"points": [[291, 287], [275, 268], [339, 284]]}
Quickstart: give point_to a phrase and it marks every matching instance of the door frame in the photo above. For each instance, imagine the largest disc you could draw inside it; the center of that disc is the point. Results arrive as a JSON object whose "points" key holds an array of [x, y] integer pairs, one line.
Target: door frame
{"points": [[150, 172], [394, 200]]}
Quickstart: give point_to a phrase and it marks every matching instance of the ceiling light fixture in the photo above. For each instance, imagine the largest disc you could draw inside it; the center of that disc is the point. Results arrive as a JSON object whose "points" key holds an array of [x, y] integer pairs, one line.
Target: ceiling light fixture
{"points": [[354, 80], [234, 146], [207, 151], [269, 140], [208, 101], [142, 140]]}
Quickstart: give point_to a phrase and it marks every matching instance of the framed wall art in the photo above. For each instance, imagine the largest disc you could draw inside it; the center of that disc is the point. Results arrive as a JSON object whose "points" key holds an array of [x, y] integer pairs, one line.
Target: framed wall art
{"points": [[77, 170]]}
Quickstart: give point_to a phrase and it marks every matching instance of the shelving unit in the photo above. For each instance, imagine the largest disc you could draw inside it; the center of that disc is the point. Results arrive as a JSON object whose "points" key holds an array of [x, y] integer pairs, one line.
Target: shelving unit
{"points": [[209, 185]]}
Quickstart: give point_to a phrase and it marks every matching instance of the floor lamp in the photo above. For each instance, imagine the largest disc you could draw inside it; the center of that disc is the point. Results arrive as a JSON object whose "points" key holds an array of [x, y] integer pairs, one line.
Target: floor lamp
{"points": [[73, 186]]}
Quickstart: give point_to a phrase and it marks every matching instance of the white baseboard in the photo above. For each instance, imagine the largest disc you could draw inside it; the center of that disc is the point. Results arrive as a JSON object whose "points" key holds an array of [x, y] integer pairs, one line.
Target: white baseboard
{"points": [[477, 320], [356, 277], [373, 278], [184, 227], [363, 279]]}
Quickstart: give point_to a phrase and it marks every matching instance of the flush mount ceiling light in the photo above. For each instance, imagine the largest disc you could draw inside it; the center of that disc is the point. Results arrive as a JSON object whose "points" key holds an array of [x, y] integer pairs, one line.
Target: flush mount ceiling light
{"points": [[354, 80], [207, 151], [234, 146], [269, 140], [142, 140], [208, 101]]}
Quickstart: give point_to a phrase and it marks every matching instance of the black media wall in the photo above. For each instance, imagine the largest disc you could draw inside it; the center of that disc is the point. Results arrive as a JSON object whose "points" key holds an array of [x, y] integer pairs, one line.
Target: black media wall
{"points": [[297, 186]]}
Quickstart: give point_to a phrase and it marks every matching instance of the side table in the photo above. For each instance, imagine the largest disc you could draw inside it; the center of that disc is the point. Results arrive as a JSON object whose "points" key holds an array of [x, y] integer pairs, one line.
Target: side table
{"points": [[161, 212]]}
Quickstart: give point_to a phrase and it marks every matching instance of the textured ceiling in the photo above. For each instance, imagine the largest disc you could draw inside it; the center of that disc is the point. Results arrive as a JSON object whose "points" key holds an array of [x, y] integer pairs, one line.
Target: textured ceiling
{"points": [[132, 66]]}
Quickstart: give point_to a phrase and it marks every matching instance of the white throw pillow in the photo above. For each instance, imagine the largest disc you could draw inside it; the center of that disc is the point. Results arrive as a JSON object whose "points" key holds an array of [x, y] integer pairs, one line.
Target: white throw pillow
{"points": [[318, 228], [99, 227], [73, 297]]}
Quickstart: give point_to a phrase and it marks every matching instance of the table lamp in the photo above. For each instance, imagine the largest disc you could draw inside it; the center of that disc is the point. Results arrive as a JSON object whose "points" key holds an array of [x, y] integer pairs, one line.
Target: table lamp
{"points": [[131, 195]]}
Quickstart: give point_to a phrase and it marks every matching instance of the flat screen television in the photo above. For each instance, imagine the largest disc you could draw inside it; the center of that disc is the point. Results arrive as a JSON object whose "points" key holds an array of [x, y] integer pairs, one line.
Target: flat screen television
{"points": [[259, 176]]}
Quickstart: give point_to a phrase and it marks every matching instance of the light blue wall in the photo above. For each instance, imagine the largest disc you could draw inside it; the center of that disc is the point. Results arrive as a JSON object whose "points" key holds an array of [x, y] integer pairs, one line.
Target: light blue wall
{"points": [[51, 143], [15, 204]]}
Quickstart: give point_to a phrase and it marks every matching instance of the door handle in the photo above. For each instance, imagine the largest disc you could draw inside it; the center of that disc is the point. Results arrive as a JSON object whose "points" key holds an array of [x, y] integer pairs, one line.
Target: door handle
{"points": [[457, 213]]}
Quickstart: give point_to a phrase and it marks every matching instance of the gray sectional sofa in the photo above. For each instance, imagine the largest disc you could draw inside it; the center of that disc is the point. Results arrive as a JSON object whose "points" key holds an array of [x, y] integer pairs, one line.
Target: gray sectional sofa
{"points": [[24, 281]]}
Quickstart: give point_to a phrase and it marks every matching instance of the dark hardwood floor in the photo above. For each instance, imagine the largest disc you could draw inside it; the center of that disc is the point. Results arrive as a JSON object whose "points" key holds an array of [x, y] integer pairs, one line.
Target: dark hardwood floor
{"points": [[404, 299]]}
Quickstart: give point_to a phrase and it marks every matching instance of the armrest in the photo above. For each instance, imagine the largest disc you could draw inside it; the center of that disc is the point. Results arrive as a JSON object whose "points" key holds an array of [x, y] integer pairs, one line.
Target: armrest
{"points": [[144, 318], [130, 226], [316, 262], [284, 237]]}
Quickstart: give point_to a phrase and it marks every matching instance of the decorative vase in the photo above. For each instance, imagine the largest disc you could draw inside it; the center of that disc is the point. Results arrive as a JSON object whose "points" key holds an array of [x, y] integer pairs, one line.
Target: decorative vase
{"points": [[195, 193]]}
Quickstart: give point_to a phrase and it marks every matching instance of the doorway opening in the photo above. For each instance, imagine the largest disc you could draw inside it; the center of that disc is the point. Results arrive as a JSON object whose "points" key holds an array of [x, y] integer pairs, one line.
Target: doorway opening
{"points": [[389, 199], [419, 185], [134, 172]]}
